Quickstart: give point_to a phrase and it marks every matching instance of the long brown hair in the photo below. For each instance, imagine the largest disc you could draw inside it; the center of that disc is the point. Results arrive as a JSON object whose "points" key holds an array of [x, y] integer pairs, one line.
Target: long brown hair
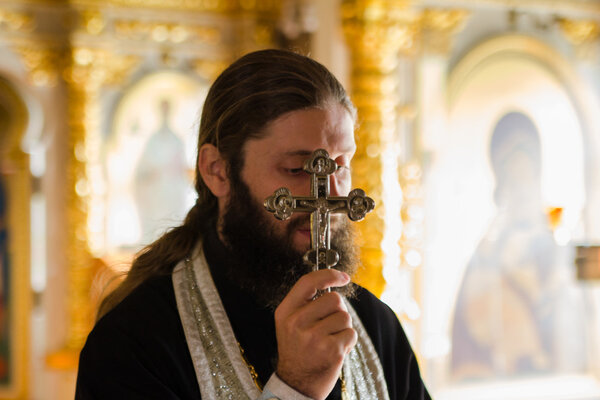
{"points": [[253, 91]]}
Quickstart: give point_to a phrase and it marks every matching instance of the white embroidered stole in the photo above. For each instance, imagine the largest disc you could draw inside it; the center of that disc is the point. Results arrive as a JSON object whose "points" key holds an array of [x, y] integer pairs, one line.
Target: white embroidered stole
{"points": [[219, 367]]}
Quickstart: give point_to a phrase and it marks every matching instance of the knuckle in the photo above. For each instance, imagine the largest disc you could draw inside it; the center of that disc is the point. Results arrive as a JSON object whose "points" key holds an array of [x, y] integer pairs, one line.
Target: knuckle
{"points": [[336, 301], [353, 337], [327, 274], [346, 319], [303, 279], [337, 353], [294, 320]]}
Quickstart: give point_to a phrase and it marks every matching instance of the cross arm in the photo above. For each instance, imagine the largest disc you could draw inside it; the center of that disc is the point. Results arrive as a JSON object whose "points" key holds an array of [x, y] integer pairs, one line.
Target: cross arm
{"points": [[283, 204]]}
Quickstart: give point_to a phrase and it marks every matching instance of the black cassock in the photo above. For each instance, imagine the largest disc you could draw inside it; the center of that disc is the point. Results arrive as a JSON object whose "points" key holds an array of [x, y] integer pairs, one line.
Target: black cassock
{"points": [[138, 350]]}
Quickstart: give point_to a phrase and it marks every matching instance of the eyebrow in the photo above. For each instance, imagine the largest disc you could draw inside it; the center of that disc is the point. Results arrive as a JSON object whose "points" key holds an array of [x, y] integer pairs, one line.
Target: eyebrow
{"points": [[297, 153], [309, 152]]}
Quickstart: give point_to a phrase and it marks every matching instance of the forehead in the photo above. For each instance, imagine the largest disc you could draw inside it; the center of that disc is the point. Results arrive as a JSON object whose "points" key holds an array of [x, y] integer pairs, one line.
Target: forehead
{"points": [[303, 131]]}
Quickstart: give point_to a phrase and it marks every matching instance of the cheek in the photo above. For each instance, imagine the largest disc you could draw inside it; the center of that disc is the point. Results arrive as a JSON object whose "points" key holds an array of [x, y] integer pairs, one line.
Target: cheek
{"points": [[343, 184], [346, 185], [257, 184], [300, 186]]}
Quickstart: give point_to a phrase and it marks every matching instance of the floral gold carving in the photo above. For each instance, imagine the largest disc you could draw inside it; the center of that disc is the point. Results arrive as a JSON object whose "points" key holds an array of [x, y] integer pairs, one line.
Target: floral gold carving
{"points": [[161, 32], [380, 27], [579, 32], [93, 22], [209, 69], [439, 26], [43, 64], [16, 21], [217, 6], [449, 21]]}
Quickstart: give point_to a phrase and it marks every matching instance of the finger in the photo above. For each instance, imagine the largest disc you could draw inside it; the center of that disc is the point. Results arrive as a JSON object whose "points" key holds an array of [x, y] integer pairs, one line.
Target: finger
{"points": [[307, 286], [338, 346], [347, 338], [333, 324], [310, 313]]}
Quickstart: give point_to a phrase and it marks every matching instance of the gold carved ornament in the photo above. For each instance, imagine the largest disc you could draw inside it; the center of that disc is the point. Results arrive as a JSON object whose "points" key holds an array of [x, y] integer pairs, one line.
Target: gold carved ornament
{"points": [[444, 20], [263, 15], [579, 32], [209, 69], [41, 58], [162, 32], [16, 21], [240, 25], [43, 63], [439, 26], [215, 6]]}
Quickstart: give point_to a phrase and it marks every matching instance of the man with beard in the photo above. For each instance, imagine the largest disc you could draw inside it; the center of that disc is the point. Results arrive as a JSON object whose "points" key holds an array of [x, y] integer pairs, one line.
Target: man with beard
{"points": [[222, 307]]}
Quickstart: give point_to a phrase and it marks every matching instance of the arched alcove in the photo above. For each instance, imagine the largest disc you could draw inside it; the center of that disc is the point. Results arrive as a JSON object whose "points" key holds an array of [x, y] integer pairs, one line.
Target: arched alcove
{"points": [[151, 141]]}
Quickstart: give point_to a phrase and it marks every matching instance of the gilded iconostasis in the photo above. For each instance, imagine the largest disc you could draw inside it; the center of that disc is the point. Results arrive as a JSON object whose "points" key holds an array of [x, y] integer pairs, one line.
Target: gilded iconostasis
{"points": [[478, 135]]}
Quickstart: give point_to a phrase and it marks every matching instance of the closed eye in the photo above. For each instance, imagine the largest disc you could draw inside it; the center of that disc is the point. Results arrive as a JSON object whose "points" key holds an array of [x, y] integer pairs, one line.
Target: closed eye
{"points": [[294, 171]]}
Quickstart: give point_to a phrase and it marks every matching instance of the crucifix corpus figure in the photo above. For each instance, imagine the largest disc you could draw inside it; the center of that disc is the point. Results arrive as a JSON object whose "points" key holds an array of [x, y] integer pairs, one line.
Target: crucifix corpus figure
{"points": [[356, 205]]}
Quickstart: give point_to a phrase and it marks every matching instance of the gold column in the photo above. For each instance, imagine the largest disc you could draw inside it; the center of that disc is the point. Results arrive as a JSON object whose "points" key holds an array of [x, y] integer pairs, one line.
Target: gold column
{"points": [[88, 71], [376, 31], [14, 169]]}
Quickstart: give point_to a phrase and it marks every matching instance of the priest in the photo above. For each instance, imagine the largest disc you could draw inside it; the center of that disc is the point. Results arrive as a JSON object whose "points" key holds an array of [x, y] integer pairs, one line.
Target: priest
{"points": [[223, 306]]}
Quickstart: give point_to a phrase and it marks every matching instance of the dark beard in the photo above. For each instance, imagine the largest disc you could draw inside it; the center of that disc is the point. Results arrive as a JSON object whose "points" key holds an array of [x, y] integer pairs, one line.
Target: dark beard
{"points": [[266, 265]]}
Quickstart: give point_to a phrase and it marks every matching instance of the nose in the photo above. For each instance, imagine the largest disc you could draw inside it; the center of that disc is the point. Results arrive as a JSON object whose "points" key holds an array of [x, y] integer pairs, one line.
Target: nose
{"points": [[338, 186]]}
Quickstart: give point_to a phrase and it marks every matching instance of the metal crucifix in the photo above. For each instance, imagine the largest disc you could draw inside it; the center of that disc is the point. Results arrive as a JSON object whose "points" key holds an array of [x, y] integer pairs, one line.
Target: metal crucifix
{"points": [[356, 205]]}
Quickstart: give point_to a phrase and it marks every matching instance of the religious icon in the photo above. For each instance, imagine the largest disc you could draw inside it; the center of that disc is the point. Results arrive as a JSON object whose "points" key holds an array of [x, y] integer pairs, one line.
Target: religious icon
{"points": [[511, 317], [356, 205], [161, 180], [148, 163]]}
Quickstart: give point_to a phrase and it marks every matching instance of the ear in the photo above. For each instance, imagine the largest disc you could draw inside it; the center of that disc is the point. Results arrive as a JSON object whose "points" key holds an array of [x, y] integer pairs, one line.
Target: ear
{"points": [[213, 170]]}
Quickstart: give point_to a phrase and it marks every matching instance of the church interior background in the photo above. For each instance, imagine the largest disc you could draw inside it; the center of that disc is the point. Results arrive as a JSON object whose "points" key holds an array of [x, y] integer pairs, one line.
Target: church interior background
{"points": [[479, 138]]}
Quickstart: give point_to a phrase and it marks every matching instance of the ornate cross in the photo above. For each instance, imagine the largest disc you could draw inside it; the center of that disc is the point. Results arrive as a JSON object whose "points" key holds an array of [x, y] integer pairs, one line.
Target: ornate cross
{"points": [[356, 205]]}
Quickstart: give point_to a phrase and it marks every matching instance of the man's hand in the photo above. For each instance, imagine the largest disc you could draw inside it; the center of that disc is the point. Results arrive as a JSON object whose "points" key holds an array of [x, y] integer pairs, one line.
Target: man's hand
{"points": [[313, 336]]}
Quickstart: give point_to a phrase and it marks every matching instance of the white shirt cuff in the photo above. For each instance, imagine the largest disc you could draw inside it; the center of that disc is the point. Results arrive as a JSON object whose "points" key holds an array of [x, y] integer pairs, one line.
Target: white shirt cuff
{"points": [[276, 389]]}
